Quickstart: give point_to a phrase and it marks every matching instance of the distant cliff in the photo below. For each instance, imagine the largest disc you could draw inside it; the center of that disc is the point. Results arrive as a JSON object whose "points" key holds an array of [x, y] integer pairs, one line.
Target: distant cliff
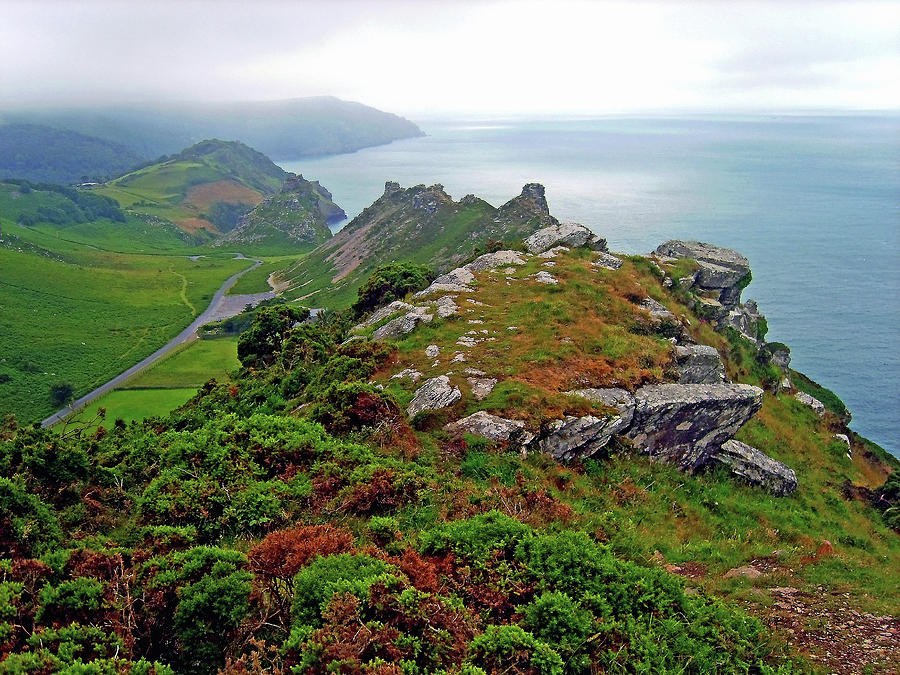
{"points": [[295, 218]]}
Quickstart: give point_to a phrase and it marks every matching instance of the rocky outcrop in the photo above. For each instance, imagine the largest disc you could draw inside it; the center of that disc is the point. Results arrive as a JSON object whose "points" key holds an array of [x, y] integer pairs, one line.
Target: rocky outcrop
{"points": [[383, 313], [455, 281], [579, 437], [298, 215], [657, 310], [403, 324], [722, 271], [530, 207], [607, 261], [434, 394], [490, 261], [699, 364], [684, 424], [756, 467], [492, 427], [814, 403], [572, 235]]}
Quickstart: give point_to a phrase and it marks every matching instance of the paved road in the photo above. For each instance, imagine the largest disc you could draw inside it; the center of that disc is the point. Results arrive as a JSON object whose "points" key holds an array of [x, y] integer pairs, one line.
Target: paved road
{"points": [[221, 307]]}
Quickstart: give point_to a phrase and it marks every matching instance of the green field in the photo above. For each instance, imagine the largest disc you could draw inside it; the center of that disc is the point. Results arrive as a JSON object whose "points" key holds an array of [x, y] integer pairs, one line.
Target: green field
{"points": [[169, 383], [83, 301]]}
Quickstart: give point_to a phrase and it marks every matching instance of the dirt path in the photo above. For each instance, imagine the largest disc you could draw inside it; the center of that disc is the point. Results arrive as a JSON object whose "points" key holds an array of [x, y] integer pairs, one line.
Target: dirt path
{"points": [[220, 307]]}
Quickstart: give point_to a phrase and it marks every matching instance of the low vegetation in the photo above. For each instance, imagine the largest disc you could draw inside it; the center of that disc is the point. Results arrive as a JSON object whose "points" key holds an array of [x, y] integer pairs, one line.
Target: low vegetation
{"points": [[293, 520]]}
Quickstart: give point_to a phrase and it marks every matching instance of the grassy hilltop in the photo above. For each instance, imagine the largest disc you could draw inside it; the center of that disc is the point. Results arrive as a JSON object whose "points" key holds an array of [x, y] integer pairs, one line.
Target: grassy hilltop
{"points": [[318, 512]]}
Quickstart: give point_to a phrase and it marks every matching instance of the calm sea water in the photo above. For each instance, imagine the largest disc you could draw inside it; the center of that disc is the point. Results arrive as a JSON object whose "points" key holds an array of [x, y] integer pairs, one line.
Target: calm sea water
{"points": [[813, 202]]}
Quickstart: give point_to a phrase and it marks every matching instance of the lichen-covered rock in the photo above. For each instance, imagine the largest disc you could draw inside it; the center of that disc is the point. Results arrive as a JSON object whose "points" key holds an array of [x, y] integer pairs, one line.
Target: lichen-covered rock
{"points": [[491, 261], [565, 234], [657, 310], [814, 403], [481, 386], [410, 373], [756, 467], [553, 252], [720, 269], [434, 394], [579, 437], [607, 261], [544, 277], [699, 364], [446, 306], [432, 351], [403, 324], [455, 281], [492, 427], [683, 424], [383, 313]]}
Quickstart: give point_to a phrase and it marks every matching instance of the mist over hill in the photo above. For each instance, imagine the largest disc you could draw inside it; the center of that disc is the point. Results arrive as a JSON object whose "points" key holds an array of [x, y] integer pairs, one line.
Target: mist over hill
{"points": [[286, 129]]}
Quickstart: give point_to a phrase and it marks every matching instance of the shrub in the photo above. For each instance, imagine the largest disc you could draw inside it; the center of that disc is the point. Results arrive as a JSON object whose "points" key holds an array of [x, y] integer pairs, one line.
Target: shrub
{"points": [[478, 537], [262, 342], [345, 407], [323, 577], [513, 651], [388, 283], [559, 620], [27, 526]]}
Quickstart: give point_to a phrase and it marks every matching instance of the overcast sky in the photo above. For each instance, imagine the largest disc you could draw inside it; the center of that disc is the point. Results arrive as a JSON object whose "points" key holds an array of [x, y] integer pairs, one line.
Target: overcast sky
{"points": [[421, 57]]}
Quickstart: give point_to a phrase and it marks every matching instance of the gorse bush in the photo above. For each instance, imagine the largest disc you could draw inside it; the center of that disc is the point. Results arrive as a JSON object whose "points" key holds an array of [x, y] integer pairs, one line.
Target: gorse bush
{"points": [[388, 283]]}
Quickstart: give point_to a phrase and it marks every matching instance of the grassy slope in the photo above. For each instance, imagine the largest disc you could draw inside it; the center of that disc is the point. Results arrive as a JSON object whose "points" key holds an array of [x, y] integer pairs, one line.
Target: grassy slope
{"points": [[169, 383], [312, 277], [74, 312], [574, 335]]}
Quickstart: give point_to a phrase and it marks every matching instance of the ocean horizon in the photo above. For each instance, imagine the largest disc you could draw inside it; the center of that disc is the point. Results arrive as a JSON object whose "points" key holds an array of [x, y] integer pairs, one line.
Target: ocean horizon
{"points": [[812, 200]]}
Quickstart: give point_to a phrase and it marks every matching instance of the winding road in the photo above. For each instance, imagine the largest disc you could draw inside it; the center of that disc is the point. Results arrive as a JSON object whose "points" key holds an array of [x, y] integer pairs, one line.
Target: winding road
{"points": [[220, 307]]}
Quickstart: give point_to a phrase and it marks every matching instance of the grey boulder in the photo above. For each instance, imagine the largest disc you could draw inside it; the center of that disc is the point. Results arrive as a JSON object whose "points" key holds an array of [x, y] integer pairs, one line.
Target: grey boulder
{"points": [[683, 424], [699, 364], [490, 261], [492, 427], [434, 394], [756, 467], [403, 324], [721, 269], [564, 234], [814, 403]]}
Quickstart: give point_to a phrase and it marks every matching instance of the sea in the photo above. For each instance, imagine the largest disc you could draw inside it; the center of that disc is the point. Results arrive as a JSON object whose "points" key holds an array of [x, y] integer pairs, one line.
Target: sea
{"points": [[812, 201]]}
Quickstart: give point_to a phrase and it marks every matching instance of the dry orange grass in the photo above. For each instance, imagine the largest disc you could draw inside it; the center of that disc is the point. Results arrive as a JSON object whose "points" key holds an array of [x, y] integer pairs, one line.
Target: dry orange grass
{"points": [[202, 197], [194, 225]]}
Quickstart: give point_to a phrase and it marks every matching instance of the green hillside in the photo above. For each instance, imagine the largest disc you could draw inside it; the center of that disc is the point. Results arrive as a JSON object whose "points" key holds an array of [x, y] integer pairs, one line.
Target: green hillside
{"points": [[206, 187], [44, 154], [295, 219]]}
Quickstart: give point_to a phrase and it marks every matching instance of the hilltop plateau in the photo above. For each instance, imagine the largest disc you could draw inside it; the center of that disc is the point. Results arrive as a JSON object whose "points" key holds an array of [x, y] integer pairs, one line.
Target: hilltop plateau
{"points": [[536, 457]]}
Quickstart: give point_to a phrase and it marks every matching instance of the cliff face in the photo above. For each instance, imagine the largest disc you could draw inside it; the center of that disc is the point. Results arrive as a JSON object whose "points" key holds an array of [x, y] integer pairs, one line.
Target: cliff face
{"points": [[296, 218], [420, 224]]}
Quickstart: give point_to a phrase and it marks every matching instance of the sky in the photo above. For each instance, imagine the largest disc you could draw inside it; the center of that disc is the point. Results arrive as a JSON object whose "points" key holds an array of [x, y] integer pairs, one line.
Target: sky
{"points": [[426, 57]]}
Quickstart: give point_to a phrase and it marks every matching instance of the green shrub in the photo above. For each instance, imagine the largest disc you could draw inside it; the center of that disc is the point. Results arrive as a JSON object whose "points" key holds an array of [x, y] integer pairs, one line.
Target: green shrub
{"points": [[388, 283], [510, 649], [259, 345], [478, 537], [559, 620], [315, 584], [28, 527]]}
